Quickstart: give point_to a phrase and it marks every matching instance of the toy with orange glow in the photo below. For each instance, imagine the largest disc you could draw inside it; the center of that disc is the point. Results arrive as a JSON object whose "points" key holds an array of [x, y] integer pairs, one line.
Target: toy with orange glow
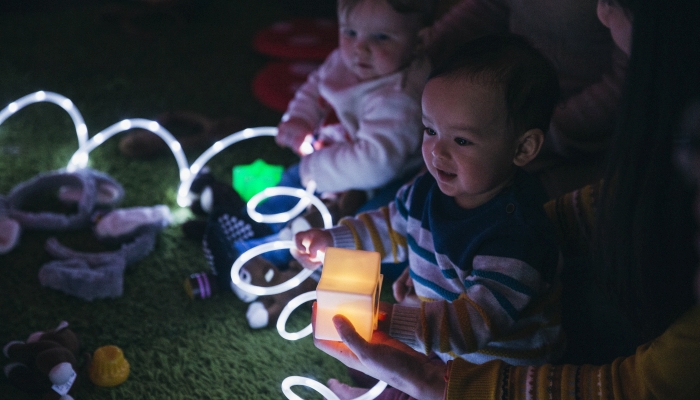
{"points": [[350, 286]]}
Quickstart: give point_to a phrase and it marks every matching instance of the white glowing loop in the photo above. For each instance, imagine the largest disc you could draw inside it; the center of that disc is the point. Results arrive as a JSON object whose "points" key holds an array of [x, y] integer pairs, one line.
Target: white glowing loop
{"points": [[99, 138], [287, 311], [256, 251], [79, 159], [305, 197], [183, 191], [42, 96], [184, 173], [290, 381]]}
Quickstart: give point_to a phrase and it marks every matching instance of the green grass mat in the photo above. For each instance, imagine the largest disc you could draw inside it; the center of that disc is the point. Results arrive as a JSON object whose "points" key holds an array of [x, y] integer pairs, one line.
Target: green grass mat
{"points": [[177, 348]]}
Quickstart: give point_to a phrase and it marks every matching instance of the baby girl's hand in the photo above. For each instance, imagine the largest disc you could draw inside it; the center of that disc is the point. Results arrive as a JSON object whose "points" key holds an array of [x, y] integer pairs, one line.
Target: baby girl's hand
{"points": [[292, 133], [311, 247]]}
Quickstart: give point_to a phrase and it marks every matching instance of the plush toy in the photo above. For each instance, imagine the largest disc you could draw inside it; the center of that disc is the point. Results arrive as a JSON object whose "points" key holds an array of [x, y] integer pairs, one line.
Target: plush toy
{"points": [[264, 311], [208, 193], [46, 364], [77, 194], [82, 199], [9, 233]]}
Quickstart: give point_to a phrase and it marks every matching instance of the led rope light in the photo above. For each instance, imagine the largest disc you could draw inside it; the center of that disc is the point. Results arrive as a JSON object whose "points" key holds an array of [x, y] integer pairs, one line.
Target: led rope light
{"points": [[80, 157], [287, 310], [306, 196], [280, 244], [290, 381], [185, 184], [49, 97], [262, 290]]}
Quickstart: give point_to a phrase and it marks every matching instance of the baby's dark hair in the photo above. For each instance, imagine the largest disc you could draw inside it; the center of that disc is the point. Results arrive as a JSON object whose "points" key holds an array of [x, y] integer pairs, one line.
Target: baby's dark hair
{"points": [[529, 81], [427, 9]]}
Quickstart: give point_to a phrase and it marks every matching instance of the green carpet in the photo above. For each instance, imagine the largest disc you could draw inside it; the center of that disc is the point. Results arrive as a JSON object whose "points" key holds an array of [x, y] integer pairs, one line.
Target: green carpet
{"points": [[177, 348]]}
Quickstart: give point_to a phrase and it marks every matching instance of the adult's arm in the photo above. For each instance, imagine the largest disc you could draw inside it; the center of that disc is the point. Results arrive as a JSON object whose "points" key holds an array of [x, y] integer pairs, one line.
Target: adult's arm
{"points": [[582, 124], [665, 368]]}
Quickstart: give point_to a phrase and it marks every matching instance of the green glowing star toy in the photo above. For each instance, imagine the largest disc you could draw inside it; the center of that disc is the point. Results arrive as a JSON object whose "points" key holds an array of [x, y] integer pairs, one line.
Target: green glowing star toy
{"points": [[251, 179]]}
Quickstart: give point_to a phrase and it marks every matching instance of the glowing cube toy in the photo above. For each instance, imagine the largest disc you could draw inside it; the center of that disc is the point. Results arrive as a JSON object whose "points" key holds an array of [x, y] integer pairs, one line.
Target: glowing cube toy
{"points": [[350, 285]]}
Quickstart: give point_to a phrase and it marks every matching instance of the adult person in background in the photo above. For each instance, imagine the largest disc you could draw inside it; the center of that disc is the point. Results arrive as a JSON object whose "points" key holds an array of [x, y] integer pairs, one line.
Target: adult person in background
{"points": [[590, 67], [636, 293]]}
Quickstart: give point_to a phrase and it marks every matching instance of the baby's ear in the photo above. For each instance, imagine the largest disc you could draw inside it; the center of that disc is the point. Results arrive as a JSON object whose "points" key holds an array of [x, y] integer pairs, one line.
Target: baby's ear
{"points": [[529, 145]]}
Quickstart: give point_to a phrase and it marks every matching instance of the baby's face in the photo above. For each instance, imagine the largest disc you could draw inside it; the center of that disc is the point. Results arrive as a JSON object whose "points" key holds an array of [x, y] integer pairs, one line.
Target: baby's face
{"points": [[467, 145], [375, 40]]}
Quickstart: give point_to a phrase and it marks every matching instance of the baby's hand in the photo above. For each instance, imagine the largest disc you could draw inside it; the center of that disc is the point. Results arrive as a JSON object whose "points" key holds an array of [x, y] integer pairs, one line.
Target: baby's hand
{"points": [[403, 289], [311, 247], [292, 133]]}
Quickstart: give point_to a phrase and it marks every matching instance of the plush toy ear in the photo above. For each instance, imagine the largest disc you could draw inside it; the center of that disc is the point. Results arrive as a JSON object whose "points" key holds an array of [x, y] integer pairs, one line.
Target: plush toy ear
{"points": [[26, 353], [9, 234], [63, 336]]}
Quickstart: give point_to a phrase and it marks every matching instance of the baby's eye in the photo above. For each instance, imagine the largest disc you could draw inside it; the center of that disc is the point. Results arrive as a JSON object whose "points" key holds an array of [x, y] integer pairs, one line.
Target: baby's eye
{"points": [[349, 32], [462, 141], [380, 37], [429, 131]]}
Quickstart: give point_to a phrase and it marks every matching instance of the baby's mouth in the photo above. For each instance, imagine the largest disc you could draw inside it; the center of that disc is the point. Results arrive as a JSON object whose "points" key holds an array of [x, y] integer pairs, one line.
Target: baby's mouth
{"points": [[445, 176]]}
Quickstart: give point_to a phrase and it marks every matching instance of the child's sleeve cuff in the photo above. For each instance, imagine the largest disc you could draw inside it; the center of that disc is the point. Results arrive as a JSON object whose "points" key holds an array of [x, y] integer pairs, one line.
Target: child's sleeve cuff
{"points": [[343, 237], [404, 325]]}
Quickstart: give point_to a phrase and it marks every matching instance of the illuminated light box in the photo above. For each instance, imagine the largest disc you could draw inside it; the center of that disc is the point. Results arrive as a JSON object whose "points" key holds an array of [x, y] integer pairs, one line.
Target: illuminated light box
{"points": [[349, 285]]}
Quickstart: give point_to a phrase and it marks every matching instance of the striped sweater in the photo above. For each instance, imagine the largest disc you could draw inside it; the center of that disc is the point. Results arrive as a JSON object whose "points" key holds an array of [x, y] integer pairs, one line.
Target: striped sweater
{"points": [[487, 276]]}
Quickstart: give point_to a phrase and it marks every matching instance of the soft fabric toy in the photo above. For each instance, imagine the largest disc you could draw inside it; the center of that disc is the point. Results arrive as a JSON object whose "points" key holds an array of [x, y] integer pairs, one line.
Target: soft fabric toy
{"points": [[101, 275], [10, 231], [84, 199], [264, 311], [46, 364], [79, 193], [208, 193]]}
